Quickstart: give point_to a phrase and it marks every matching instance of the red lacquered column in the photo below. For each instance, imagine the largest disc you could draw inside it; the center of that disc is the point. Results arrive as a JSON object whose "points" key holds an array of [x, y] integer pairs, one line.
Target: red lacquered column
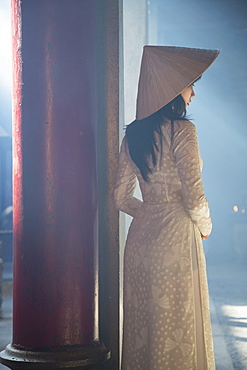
{"points": [[55, 314]]}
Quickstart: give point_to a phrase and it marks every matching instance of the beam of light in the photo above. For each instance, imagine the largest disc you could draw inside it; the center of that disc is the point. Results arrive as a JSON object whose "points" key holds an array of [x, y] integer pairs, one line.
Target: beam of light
{"points": [[5, 46], [237, 320]]}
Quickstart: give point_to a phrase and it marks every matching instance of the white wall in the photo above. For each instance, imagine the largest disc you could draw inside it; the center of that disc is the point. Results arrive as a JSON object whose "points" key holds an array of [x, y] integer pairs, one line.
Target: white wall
{"points": [[134, 38]]}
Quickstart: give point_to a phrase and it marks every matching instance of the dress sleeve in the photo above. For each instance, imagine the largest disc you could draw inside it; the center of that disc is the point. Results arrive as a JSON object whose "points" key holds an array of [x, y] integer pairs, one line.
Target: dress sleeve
{"points": [[187, 156], [125, 185]]}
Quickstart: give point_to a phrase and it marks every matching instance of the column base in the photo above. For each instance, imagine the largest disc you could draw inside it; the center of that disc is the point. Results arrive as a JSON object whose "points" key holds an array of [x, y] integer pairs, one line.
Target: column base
{"points": [[86, 357]]}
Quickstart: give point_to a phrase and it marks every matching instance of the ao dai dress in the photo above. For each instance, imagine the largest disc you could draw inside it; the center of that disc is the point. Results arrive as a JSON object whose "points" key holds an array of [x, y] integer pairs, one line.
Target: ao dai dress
{"points": [[166, 303]]}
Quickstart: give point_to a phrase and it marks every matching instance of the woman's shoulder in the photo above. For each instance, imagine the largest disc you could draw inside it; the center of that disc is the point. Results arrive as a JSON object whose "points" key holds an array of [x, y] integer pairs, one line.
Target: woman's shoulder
{"points": [[184, 127], [178, 126], [184, 124]]}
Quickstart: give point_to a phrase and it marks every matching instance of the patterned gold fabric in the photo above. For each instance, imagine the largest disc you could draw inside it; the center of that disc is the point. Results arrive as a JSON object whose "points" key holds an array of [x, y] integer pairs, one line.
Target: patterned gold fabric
{"points": [[164, 309]]}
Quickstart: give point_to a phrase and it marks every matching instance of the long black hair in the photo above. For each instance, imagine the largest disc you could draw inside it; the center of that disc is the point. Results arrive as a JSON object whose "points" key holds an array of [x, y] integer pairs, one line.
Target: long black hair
{"points": [[140, 134]]}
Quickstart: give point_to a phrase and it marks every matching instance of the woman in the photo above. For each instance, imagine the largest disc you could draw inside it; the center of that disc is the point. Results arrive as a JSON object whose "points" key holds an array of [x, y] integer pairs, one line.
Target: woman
{"points": [[166, 305]]}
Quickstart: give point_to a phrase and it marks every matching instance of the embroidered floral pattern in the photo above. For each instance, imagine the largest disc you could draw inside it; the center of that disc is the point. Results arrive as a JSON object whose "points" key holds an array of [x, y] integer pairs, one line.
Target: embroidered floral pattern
{"points": [[177, 342], [141, 339], [162, 301], [175, 256]]}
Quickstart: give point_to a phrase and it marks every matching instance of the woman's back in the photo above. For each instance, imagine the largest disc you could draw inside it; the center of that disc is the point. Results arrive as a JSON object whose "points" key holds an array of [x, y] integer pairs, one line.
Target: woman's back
{"points": [[176, 178], [164, 184]]}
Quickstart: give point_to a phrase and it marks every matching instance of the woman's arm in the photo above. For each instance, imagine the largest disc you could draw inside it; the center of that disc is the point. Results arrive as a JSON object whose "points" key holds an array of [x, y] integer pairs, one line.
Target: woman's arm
{"points": [[125, 184], [187, 156]]}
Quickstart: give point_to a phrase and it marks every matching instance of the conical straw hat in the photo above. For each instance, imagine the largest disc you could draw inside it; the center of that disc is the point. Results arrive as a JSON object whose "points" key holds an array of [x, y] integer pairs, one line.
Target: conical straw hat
{"points": [[165, 72]]}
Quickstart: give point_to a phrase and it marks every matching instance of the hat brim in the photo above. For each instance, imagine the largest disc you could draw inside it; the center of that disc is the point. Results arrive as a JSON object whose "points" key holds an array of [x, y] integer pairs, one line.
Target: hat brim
{"points": [[165, 72]]}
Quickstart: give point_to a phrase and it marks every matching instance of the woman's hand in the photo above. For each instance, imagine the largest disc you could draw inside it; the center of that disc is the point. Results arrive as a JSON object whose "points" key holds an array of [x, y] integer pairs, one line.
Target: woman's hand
{"points": [[204, 236]]}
